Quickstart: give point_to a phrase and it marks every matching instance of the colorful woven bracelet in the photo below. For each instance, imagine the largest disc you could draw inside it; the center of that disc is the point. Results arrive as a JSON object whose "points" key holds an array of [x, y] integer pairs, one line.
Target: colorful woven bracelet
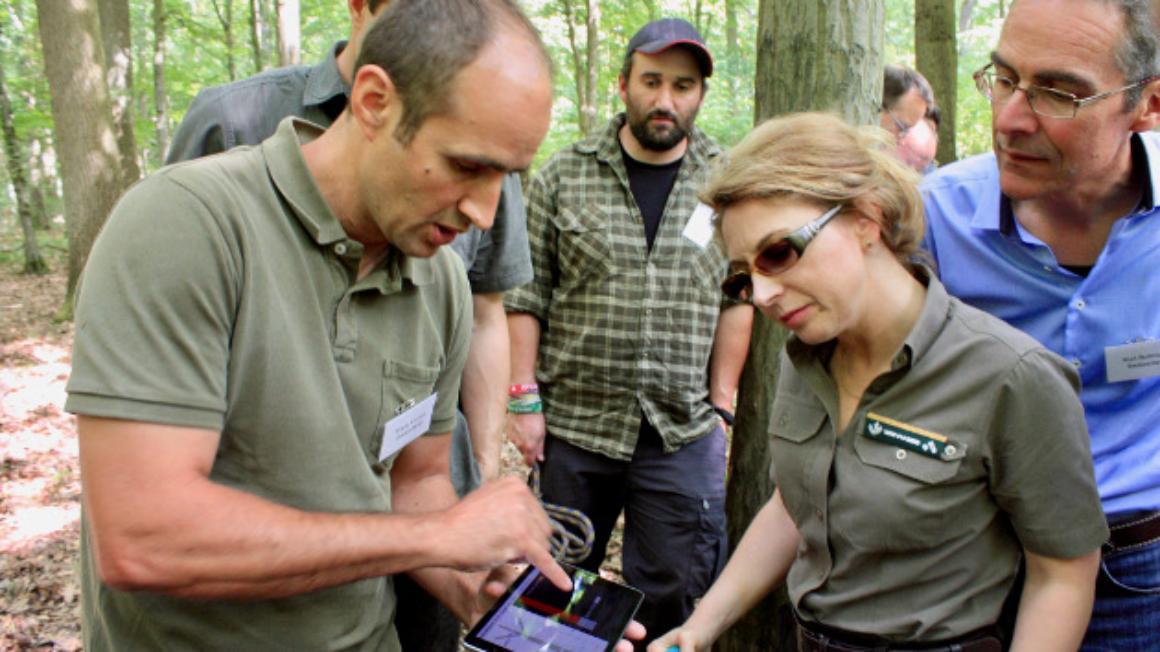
{"points": [[526, 404], [520, 389]]}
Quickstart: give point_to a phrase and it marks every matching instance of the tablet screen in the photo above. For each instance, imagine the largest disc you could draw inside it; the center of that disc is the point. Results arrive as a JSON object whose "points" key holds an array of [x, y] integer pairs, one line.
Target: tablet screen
{"points": [[534, 615]]}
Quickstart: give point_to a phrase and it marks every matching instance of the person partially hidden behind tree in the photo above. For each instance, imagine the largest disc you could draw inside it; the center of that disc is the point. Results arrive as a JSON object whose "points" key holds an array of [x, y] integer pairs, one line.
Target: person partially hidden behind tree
{"points": [[268, 353], [910, 114]]}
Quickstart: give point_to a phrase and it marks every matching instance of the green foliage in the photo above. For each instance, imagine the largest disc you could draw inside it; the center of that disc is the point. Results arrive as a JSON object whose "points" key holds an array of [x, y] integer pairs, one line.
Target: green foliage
{"points": [[196, 58], [973, 128], [727, 113]]}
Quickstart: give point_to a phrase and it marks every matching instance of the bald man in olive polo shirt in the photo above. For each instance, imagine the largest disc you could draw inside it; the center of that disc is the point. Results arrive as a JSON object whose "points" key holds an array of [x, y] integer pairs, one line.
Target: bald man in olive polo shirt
{"points": [[264, 338]]}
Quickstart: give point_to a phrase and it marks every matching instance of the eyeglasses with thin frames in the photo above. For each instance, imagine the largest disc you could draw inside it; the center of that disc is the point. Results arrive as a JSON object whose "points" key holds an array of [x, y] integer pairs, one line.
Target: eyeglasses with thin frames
{"points": [[1048, 102], [901, 127], [776, 257]]}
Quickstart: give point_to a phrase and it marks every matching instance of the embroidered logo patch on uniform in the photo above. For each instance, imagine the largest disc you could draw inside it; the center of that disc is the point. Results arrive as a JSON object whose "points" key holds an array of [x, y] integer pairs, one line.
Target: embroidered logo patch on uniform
{"points": [[919, 440]]}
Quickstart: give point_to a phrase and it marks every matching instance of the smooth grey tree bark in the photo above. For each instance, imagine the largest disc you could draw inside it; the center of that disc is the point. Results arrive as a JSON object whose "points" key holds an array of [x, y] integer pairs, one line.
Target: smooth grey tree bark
{"points": [[160, 94], [936, 57], [289, 33], [90, 154], [116, 39], [812, 55]]}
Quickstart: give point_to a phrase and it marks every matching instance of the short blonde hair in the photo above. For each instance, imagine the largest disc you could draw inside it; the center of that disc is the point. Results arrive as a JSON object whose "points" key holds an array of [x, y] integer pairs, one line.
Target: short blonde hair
{"points": [[818, 157]]}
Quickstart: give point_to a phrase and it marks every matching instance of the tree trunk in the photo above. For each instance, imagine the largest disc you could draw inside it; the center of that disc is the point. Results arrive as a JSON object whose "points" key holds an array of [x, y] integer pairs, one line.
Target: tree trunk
{"points": [[224, 10], [257, 25], [965, 15], [591, 63], [33, 260], [160, 97], [732, 45], [42, 182], [585, 106], [115, 39], [653, 11], [811, 55], [90, 156], [936, 57], [289, 33]]}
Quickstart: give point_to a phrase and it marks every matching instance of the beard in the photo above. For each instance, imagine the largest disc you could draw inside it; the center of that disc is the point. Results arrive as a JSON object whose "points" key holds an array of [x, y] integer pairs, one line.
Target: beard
{"points": [[659, 138]]}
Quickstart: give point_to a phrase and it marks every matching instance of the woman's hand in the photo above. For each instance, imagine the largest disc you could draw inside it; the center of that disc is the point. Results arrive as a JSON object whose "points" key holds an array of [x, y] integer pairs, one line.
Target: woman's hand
{"points": [[683, 638]]}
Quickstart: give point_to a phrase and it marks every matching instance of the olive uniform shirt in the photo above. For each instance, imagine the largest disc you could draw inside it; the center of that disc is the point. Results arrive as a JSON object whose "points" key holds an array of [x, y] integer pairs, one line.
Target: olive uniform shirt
{"points": [[913, 518], [626, 329], [222, 295]]}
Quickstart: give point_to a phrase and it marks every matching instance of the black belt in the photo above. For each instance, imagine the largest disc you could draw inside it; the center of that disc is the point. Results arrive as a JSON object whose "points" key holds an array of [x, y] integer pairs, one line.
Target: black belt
{"points": [[818, 638], [1135, 530]]}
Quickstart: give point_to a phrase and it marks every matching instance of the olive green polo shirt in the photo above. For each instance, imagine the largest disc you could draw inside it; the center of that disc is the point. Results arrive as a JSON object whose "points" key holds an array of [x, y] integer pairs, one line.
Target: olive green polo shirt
{"points": [[913, 518], [222, 295]]}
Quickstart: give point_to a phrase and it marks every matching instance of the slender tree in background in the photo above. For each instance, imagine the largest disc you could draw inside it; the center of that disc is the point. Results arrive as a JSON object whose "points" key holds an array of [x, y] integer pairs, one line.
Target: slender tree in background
{"points": [[965, 14], [257, 26], [41, 182], [117, 44], [699, 19], [224, 10], [289, 33], [936, 57], [812, 55], [160, 97], [732, 43], [116, 41], [653, 10], [592, 60], [33, 260], [585, 60], [91, 161]]}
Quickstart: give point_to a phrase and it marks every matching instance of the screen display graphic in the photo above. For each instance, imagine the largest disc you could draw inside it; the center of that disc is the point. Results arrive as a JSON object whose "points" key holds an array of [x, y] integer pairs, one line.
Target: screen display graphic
{"points": [[535, 616]]}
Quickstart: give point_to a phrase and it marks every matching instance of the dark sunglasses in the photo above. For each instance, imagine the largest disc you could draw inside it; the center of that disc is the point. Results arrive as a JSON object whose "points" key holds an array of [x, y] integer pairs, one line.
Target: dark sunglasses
{"points": [[776, 257]]}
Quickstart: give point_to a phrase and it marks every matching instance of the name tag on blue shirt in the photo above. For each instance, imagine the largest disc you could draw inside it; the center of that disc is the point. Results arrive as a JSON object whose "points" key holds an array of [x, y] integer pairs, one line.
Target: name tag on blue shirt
{"points": [[1133, 361], [405, 428]]}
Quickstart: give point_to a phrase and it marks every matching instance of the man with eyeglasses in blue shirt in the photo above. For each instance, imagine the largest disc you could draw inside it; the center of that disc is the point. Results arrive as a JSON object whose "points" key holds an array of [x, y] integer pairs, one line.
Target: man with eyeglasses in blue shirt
{"points": [[1058, 232]]}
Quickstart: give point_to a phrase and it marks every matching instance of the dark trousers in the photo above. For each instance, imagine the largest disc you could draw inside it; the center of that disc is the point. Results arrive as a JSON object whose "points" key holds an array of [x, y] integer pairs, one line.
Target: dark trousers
{"points": [[424, 624], [674, 505]]}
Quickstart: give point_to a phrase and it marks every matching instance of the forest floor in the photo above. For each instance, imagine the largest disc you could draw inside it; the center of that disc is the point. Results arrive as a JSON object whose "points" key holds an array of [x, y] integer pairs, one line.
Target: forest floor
{"points": [[39, 474], [40, 488]]}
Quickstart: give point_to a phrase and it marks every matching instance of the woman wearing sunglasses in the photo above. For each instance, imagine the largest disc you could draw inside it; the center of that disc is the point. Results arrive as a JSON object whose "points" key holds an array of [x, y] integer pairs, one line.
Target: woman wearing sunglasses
{"points": [[924, 451]]}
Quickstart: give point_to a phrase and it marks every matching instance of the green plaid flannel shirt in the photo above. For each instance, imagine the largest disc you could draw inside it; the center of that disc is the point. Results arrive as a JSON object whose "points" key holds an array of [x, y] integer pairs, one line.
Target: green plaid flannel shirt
{"points": [[624, 330]]}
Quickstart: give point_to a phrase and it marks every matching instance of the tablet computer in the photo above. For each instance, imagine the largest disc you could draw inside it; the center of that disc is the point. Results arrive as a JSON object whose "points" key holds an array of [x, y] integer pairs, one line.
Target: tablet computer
{"points": [[534, 615]]}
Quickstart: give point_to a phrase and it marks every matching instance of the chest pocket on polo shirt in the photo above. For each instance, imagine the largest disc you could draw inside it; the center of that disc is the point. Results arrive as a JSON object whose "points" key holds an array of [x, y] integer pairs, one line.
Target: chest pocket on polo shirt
{"points": [[583, 245], [908, 463], [895, 499], [404, 385], [794, 427]]}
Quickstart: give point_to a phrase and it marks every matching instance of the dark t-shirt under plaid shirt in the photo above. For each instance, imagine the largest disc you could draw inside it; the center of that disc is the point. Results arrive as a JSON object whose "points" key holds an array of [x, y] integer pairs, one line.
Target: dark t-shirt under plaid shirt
{"points": [[625, 330]]}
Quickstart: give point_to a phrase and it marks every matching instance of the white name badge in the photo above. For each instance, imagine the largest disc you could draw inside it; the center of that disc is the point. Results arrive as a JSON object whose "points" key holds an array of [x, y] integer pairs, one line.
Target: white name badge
{"points": [[1133, 361], [406, 427], [699, 228]]}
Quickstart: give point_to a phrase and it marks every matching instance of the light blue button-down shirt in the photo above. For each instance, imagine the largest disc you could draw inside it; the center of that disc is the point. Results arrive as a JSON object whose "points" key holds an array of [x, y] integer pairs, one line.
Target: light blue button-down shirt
{"points": [[988, 259]]}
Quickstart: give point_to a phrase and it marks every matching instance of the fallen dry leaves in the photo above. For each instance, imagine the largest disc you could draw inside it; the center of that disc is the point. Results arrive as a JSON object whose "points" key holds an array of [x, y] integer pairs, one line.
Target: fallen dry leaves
{"points": [[39, 476]]}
